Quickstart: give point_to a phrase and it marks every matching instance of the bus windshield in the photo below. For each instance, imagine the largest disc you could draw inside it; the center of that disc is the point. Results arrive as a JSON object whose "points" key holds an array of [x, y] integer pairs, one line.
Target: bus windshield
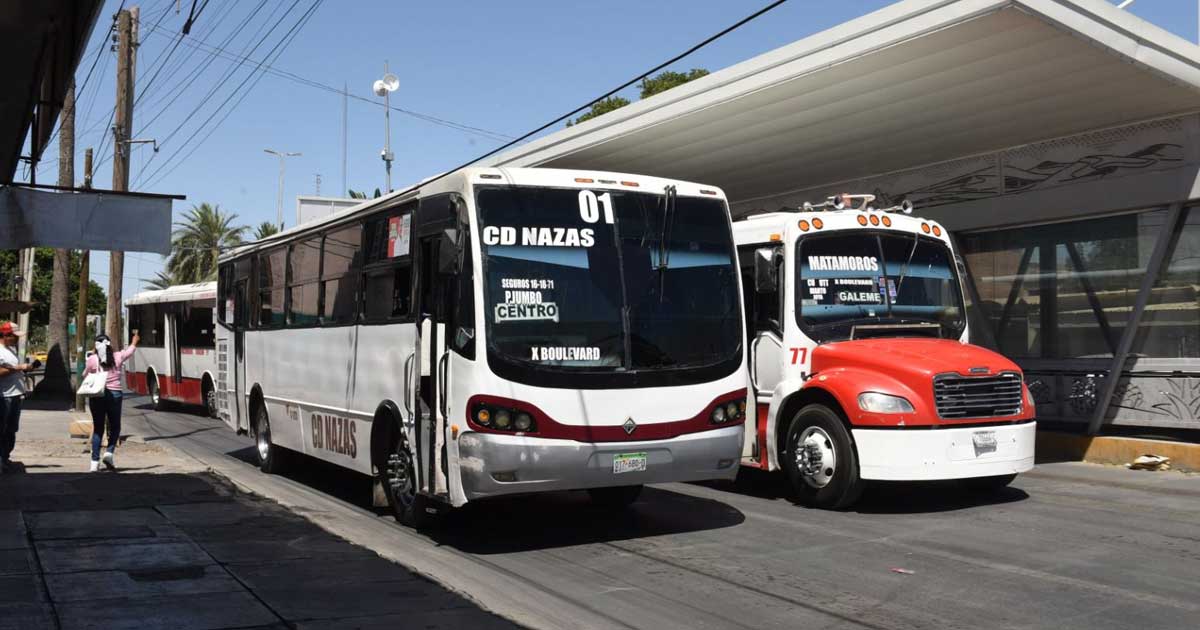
{"points": [[579, 282], [845, 280]]}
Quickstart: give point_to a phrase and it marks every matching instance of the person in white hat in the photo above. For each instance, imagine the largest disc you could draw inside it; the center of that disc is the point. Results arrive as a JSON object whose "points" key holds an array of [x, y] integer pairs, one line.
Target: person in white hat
{"points": [[12, 391]]}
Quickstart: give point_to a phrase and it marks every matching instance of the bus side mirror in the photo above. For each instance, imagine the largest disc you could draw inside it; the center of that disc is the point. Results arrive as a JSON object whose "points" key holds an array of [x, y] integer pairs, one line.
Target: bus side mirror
{"points": [[450, 250], [766, 279]]}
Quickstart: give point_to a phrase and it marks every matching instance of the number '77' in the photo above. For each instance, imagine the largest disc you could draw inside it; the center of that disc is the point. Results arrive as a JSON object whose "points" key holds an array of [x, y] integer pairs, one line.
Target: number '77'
{"points": [[799, 355]]}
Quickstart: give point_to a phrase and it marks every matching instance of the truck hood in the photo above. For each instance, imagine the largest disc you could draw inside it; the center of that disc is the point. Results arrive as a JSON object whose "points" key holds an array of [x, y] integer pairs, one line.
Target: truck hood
{"points": [[912, 359]]}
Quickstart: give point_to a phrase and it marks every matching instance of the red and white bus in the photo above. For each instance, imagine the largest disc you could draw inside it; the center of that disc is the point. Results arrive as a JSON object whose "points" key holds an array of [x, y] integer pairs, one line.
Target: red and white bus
{"points": [[175, 360], [859, 356]]}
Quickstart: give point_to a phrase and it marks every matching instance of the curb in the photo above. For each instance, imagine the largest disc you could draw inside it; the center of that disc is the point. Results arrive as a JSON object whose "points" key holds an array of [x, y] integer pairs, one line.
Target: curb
{"points": [[1055, 446]]}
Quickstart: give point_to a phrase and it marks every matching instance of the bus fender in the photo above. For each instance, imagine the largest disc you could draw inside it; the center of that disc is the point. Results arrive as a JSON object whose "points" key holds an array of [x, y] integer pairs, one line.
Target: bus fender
{"points": [[845, 384], [387, 418]]}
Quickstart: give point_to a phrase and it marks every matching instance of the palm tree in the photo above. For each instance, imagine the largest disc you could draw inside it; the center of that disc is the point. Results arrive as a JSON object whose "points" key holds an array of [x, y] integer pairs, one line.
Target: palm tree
{"points": [[356, 194], [198, 241], [160, 281], [265, 229]]}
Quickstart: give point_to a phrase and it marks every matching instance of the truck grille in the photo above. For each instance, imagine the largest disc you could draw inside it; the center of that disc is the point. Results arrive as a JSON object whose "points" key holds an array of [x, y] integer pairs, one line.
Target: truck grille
{"points": [[977, 396]]}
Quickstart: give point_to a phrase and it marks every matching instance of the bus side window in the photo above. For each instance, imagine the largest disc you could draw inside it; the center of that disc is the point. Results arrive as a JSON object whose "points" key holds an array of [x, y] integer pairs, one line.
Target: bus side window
{"points": [[462, 317], [271, 270], [304, 284], [763, 310], [341, 260]]}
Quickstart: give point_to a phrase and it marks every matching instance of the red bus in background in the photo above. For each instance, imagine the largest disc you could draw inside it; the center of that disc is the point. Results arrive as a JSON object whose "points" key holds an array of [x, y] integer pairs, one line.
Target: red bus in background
{"points": [[176, 360]]}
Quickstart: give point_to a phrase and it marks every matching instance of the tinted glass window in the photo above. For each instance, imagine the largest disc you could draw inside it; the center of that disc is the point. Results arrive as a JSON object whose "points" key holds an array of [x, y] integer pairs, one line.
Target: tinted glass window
{"points": [[589, 284], [387, 293], [148, 320], [195, 322], [341, 260], [846, 280], [304, 286], [271, 276], [389, 236]]}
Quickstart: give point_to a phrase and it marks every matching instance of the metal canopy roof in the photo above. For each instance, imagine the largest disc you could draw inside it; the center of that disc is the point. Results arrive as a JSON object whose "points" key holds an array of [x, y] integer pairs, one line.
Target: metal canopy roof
{"points": [[918, 82], [41, 44]]}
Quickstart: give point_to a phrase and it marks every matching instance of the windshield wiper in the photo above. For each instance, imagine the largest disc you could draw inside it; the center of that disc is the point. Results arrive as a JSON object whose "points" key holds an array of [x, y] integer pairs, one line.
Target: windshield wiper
{"points": [[904, 269], [664, 246]]}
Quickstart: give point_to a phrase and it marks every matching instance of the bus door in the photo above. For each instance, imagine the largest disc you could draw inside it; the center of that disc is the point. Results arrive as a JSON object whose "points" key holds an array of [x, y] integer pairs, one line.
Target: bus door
{"points": [[764, 282], [241, 317], [435, 251], [175, 353]]}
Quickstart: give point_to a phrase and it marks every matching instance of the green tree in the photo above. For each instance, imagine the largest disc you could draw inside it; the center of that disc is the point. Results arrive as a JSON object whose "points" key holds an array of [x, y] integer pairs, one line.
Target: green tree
{"points": [[161, 280], [198, 241], [43, 271], [356, 194], [601, 107], [265, 229], [667, 79]]}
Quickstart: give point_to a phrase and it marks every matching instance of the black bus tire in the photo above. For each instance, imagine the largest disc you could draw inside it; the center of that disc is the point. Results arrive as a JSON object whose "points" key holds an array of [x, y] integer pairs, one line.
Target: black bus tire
{"points": [[820, 460]]}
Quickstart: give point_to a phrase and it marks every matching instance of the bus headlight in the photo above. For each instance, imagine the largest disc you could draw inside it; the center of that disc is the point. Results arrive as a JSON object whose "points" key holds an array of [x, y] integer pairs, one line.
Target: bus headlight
{"points": [[498, 418], [523, 422], [883, 403], [503, 419], [483, 416], [728, 411]]}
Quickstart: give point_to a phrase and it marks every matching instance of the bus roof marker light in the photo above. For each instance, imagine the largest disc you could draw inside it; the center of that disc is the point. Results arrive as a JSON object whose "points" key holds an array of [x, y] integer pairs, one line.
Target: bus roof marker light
{"points": [[633, 184], [862, 220], [925, 228], [489, 176], [776, 237], [887, 221], [584, 180], [937, 231], [874, 219], [707, 192], [818, 223], [803, 225]]}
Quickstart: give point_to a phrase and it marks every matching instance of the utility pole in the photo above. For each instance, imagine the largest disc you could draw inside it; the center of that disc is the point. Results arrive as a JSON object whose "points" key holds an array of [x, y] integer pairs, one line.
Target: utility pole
{"points": [[279, 198], [122, 132], [345, 99], [57, 382], [84, 285]]}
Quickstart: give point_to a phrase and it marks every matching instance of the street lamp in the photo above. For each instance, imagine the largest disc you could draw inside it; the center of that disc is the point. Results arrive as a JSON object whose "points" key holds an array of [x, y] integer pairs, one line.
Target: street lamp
{"points": [[384, 87], [279, 198]]}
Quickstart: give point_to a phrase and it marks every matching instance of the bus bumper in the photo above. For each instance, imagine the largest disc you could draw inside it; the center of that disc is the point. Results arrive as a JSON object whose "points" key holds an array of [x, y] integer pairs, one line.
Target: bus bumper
{"points": [[494, 465], [959, 453]]}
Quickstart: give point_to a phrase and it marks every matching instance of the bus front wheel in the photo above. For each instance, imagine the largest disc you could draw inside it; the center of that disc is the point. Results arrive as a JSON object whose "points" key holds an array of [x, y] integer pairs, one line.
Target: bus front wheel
{"points": [[615, 497], [408, 507], [270, 457], [820, 460], [152, 389]]}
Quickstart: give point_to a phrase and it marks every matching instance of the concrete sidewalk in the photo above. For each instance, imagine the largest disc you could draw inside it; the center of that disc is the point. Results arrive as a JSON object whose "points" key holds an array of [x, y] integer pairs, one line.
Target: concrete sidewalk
{"points": [[163, 543]]}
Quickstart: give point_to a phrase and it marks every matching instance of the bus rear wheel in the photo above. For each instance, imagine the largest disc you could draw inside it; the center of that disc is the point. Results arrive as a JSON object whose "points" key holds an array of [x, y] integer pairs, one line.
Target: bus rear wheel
{"points": [[209, 394], [616, 497], [270, 457], [408, 507], [152, 389], [820, 461]]}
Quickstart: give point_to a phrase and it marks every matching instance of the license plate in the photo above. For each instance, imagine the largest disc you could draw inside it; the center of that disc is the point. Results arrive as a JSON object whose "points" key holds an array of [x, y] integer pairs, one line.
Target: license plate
{"points": [[985, 442], [629, 462]]}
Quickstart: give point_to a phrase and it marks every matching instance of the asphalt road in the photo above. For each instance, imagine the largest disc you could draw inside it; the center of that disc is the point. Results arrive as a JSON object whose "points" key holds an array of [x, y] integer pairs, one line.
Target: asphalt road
{"points": [[1067, 546]]}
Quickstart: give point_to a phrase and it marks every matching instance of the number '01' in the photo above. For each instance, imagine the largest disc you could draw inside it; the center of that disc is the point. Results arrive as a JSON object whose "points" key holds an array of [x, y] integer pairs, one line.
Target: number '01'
{"points": [[590, 205]]}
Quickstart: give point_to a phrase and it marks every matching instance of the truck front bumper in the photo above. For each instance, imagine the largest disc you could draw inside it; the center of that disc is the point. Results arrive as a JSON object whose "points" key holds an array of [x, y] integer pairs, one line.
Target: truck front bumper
{"points": [[493, 465], [913, 454]]}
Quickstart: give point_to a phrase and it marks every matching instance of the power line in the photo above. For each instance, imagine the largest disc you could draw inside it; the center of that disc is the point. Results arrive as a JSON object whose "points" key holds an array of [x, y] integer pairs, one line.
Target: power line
{"points": [[628, 83], [280, 46], [492, 135], [225, 77]]}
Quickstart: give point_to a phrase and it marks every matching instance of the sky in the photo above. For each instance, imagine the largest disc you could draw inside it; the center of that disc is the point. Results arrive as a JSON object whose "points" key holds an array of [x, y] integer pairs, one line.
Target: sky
{"points": [[502, 68]]}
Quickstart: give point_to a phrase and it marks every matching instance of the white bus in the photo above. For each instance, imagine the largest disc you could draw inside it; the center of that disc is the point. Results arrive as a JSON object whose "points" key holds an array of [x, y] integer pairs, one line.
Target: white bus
{"points": [[494, 332], [176, 360], [859, 356]]}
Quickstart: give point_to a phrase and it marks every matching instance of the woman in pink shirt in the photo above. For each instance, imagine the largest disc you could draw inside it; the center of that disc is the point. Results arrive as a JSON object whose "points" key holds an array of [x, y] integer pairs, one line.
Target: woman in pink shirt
{"points": [[106, 409]]}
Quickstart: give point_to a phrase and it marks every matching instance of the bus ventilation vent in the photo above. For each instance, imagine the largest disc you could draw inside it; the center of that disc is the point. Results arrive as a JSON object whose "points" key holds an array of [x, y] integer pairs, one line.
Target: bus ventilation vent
{"points": [[977, 397]]}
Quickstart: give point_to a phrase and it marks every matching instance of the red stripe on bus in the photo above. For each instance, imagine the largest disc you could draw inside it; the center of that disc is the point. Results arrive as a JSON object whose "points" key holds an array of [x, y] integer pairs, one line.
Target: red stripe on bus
{"points": [[547, 427]]}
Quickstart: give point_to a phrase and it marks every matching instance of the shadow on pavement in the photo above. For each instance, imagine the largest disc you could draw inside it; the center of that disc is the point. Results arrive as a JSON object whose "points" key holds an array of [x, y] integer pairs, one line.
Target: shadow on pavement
{"points": [[544, 521], [565, 519], [880, 497]]}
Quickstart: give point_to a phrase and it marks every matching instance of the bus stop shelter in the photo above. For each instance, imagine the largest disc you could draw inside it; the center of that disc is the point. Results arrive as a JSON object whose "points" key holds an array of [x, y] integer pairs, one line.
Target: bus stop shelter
{"points": [[1059, 139]]}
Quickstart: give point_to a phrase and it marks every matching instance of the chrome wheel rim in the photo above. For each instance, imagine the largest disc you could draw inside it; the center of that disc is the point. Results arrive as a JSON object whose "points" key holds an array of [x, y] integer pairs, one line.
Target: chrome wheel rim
{"points": [[211, 402], [154, 394], [399, 477], [263, 438], [816, 457]]}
